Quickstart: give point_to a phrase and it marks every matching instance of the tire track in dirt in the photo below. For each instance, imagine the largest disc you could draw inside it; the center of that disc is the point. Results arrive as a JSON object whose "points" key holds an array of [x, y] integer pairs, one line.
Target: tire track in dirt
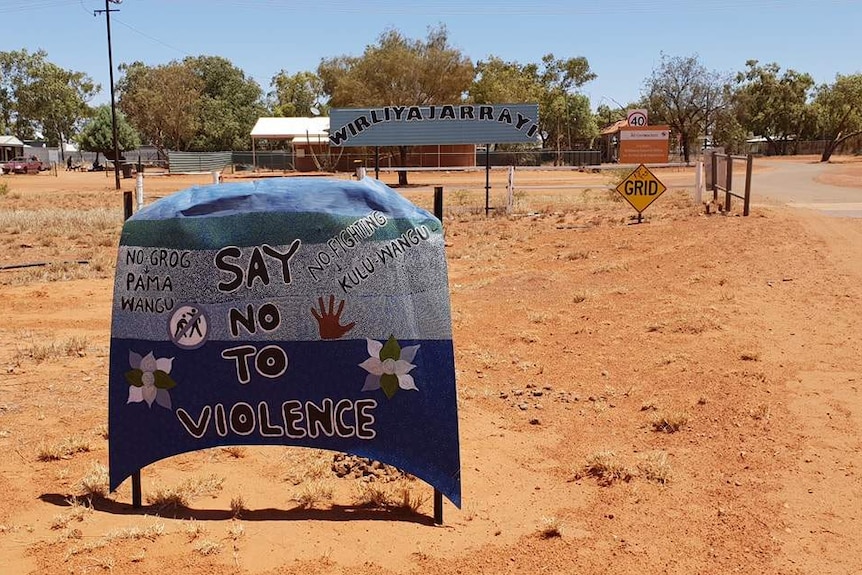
{"points": [[822, 495]]}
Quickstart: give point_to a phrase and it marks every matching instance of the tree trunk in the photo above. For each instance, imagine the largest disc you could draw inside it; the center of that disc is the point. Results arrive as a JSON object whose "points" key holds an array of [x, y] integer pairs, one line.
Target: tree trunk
{"points": [[402, 176], [161, 152], [558, 156], [828, 150], [771, 147], [686, 154], [833, 144]]}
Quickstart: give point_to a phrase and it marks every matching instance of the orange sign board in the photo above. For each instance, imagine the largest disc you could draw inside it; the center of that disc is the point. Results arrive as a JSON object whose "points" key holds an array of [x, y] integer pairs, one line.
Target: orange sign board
{"points": [[641, 188], [644, 145]]}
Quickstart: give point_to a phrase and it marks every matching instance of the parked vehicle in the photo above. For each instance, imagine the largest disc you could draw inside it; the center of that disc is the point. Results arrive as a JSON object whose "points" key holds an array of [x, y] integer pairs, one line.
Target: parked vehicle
{"points": [[22, 165]]}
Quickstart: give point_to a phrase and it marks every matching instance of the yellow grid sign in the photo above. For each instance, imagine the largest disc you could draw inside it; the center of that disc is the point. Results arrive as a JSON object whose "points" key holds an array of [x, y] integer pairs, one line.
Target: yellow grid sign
{"points": [[641, 188]]}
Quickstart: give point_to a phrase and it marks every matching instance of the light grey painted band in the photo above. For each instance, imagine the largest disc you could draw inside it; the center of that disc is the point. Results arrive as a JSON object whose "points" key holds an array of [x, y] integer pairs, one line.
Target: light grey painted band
{"points": [[405, 293]]}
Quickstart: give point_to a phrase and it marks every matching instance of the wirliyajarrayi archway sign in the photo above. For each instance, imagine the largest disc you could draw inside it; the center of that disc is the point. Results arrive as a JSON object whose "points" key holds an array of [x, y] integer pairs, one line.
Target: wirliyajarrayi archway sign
{"points": [[428, 125], [641, 188], [295, 311], [440, 124]]}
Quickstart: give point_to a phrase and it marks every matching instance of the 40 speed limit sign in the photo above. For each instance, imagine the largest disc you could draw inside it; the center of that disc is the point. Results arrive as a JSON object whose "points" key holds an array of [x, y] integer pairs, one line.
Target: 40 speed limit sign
{"points": [[637, 118]]}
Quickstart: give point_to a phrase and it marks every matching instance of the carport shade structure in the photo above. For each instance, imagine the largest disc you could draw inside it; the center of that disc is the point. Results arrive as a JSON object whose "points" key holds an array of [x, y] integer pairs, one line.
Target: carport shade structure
{"points": [[302, 129], [10, 147]]}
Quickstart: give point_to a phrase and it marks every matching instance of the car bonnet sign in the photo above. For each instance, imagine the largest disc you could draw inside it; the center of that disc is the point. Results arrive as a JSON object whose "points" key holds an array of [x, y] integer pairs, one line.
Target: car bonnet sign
{"points": [[295, 311]]}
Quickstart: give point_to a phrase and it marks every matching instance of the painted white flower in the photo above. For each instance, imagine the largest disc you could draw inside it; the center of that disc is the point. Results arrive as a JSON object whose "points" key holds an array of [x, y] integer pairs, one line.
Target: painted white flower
{"points": [[388, 366], [149, 380]]}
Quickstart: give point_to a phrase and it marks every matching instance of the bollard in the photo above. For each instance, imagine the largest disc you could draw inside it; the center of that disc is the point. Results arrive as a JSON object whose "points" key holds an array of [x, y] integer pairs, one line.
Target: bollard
{"points": [[139, 190], [510, 190], [698, 183]]}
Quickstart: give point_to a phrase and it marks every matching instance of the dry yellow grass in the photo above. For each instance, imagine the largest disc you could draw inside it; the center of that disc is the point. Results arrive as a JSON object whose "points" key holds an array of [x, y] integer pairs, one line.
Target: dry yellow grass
{"points": [[669, 421], [77, 512], [95, 482], [654, 466], [237, 506], [42, 351], [181, 495], [313, 493], [372, 495], [63, 449], [607, 467], [550, 528], [207, 547]]}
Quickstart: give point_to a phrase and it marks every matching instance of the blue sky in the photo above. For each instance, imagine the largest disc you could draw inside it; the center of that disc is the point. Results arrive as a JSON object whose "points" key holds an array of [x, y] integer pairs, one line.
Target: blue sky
{"points": [[622, 39]]}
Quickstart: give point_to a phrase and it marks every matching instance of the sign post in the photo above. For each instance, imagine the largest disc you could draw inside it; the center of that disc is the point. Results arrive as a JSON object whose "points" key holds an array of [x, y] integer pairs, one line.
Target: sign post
{"points": [[640, 189]]}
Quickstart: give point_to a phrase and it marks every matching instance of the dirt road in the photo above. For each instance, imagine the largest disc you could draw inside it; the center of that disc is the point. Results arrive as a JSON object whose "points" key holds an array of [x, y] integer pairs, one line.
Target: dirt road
{"points": [[798, 184]]}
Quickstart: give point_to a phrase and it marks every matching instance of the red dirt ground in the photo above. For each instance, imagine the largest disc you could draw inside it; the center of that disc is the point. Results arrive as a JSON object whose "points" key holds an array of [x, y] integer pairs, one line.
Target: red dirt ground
{"points": [[573, 332]]}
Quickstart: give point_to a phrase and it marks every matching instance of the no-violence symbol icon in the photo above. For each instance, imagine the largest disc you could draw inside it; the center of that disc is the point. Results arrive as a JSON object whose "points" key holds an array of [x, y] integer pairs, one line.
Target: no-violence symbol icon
{"points": [[188, 327]]}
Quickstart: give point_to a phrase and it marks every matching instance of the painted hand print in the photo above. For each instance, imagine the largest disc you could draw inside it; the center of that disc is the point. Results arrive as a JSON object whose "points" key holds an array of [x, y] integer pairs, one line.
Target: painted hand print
{"points": [[329, 321]]}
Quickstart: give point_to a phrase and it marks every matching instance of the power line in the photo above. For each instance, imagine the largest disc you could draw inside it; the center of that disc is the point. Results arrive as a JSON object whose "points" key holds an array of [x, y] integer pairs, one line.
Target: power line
{"points": [[35, 5], [151, 38], [444, 8]]}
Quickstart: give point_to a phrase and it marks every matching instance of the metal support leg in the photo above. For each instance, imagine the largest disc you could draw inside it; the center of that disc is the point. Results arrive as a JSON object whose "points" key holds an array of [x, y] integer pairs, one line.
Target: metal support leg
{"points": [[136, 489], [438, 202], [127, 205], [438, 507]]}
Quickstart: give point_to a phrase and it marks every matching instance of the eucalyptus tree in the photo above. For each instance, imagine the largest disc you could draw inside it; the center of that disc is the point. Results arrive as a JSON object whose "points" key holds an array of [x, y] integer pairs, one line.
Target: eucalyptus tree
{"points": [[202, 103], [162, 103], [229, 105], [39, 97], [727, 132], [497, 81], [606, 115], [775, 105], [838, 107], [564, 114], [684, 94], [98, 136], [399, 71], [298, 94]]}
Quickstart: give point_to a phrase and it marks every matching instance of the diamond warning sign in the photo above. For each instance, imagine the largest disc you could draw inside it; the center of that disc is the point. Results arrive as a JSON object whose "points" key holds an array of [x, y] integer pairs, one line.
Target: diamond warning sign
{"points": [[641, 188]]}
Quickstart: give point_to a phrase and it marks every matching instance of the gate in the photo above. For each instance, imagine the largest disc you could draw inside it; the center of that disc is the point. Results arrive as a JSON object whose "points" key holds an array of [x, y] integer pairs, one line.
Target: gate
{"points": [[720, 179]]}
